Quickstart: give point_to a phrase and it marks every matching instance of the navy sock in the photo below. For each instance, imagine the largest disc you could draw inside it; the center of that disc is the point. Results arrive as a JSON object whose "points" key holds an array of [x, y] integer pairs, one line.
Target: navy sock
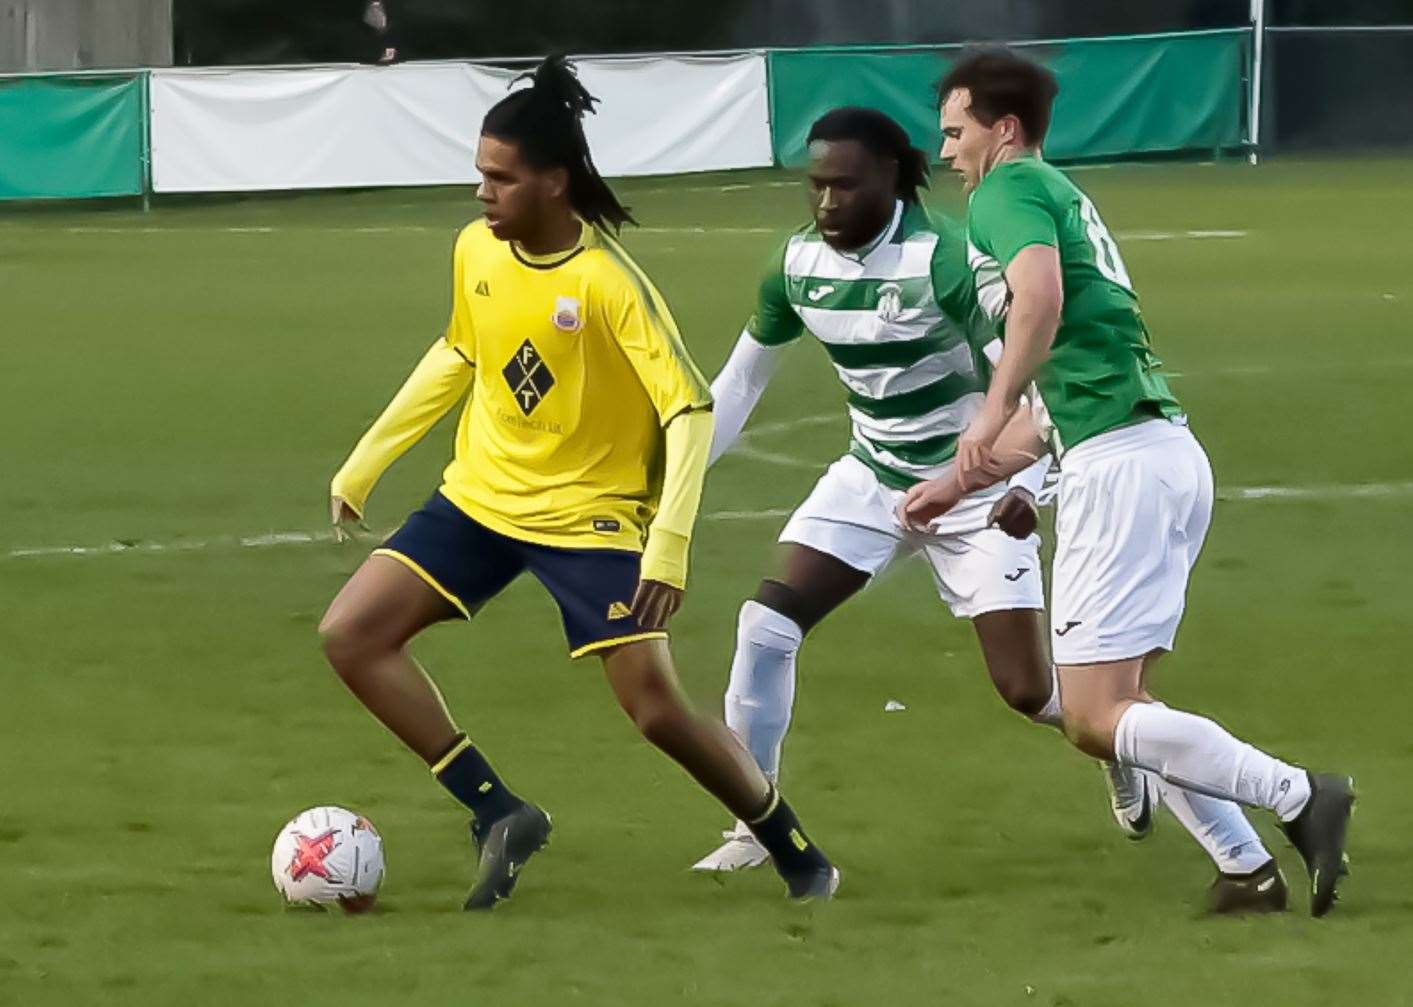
{"points": [[780, 832], [466, 774]]}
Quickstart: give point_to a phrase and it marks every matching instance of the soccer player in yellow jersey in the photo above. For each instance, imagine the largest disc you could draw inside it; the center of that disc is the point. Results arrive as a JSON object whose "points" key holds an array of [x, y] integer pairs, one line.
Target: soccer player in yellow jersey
{"points": [[579, 457]]}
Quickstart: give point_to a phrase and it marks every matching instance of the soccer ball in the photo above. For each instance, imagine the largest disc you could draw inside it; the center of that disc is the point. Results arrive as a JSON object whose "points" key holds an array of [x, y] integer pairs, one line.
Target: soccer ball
{"points": [[328, 855]]}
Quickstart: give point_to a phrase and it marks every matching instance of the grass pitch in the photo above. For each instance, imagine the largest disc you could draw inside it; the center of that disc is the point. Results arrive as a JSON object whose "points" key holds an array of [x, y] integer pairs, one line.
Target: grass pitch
{"points": [[180, 385]]}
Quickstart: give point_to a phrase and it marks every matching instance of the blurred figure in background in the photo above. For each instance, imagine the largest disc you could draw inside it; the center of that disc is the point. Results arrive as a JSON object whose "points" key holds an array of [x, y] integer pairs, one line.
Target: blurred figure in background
{"points": [[383, 48]]}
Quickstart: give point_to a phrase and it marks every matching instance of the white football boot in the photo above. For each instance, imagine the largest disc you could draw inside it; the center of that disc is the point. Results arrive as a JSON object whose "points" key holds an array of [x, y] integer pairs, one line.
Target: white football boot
{"points": [[1133, 798], [740, 852]]}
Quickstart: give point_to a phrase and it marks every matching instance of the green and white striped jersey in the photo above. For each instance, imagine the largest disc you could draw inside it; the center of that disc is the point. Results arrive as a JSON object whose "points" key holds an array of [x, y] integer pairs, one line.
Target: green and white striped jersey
{"points": [[901, 325]]}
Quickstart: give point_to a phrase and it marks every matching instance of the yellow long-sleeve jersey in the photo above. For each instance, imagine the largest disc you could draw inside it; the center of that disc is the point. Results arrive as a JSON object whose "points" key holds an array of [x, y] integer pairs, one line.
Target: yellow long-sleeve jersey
{"points": [[587, 422]]}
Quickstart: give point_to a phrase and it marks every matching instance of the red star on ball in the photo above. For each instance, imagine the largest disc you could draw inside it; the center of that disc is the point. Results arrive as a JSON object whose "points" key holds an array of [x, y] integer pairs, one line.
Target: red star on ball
{"points": [[310, 854]]}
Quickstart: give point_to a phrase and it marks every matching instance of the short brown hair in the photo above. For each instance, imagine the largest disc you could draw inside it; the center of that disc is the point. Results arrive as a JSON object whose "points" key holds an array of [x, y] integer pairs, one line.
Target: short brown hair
{"points": [[1003, 83]]}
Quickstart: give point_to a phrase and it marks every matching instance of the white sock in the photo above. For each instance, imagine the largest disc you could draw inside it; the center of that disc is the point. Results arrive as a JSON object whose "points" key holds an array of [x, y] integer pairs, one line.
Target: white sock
{"points": [[1219, 827], [1197, 754], [762, 688], [1050, 713]]}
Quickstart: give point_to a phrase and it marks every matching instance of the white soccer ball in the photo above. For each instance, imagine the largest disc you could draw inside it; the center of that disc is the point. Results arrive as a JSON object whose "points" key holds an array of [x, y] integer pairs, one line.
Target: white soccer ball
{"points": [[328, 855]]}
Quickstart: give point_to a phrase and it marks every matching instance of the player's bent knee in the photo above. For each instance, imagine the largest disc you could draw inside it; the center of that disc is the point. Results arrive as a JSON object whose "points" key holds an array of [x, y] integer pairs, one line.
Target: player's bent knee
{"points": [[1025, 684], [340, 648], [333, 636], [1094, 736], [761, 625], [655, 708], [784, 601], [657, 729], [346, 642], [660, 721], [1024, 695]]}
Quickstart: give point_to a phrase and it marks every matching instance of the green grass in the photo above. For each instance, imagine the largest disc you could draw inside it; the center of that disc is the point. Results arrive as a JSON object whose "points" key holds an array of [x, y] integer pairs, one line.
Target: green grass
{"points": [[163, 712]]}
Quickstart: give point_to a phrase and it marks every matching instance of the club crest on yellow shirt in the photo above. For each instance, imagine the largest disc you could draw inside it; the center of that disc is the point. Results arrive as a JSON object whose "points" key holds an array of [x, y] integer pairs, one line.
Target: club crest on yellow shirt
{"points": [[566, 314]]}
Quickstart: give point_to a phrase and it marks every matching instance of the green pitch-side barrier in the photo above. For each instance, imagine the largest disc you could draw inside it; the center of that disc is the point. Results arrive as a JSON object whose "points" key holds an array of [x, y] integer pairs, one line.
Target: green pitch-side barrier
{"points": [[72, 137], [1119, 96]]}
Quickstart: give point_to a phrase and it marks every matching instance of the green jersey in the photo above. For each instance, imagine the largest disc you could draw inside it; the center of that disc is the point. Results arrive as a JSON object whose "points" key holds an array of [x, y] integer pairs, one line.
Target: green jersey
{"points": [[1102, 372], [900, 323]]}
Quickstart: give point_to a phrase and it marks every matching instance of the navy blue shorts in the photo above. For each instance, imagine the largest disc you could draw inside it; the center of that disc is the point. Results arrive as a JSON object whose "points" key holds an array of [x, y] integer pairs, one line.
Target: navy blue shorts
{"points": [[468, 563]]}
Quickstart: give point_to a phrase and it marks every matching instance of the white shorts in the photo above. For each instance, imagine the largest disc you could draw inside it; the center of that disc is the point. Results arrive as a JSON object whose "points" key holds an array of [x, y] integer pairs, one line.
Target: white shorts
{"points": [[1134, 506], [851, 516]]}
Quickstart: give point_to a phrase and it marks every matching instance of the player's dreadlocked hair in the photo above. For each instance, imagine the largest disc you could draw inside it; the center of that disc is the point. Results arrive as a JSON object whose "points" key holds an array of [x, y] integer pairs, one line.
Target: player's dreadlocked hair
{"points": [[545, 121], [881, 136]]}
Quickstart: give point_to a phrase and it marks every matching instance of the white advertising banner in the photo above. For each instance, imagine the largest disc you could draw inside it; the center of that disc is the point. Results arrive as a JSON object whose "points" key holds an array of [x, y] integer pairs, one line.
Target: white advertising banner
{"points": [[417, 123], [664, 116]]}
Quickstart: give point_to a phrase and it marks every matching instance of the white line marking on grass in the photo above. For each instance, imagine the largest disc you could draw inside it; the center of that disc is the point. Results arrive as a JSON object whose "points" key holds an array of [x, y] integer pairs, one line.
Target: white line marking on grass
{"points": [[1177, 235], [285, 538], [269, 540], [265, 541], [1359, 366], [398, 229], [784, 426], [1337, 491], [111, 549], [736, 187], [773, 458], [1110, 166], [109, 230], [748, 515], [706, 230], [745, 445]]}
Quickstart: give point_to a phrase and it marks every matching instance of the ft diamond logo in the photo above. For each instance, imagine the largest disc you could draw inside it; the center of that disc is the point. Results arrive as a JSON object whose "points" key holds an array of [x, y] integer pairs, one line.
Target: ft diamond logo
{"points": [[528, 377]]}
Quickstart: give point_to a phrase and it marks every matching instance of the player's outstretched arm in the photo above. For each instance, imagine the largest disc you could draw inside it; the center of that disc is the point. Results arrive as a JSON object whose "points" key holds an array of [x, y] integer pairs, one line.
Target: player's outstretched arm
{"points": [[438, 382], [738, 388], [663, 574], [1017, 448], [1037, 298], [1018, 512], [756, 356]]}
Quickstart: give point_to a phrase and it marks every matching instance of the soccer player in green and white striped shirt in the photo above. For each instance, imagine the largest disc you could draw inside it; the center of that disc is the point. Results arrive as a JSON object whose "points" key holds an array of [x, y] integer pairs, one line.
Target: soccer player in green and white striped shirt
{"points": [[1135, 492], [884, 287]]}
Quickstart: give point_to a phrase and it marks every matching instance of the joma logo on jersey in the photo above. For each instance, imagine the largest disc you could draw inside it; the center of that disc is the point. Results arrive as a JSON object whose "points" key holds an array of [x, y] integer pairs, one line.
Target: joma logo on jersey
{"points": [[528, 377]]}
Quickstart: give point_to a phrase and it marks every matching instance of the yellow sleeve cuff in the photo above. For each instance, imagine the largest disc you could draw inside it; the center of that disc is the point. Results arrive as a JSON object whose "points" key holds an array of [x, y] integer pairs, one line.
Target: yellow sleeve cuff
{"points": [[665, 558]]}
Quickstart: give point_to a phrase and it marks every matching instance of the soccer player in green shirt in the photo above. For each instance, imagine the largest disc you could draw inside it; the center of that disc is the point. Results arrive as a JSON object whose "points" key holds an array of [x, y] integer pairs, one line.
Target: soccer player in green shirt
{"points": [[1135, 492], [882, 284]]}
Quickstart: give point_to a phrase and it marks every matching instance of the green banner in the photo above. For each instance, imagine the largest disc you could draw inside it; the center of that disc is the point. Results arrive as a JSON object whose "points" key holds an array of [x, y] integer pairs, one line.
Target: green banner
{"points": [[71, 137], [1133, 94]]}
